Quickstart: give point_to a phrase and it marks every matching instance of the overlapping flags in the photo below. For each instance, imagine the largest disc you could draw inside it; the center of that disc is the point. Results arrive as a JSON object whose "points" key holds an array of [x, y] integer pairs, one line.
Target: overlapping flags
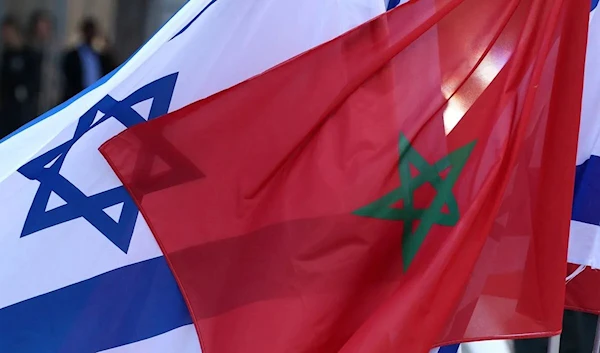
{"points": [[338, 202], [344, 202], [79, 269], [584, 242]]}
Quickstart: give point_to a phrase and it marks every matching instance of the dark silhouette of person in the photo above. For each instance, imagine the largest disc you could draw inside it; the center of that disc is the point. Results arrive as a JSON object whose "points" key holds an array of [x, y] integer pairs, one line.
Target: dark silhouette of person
{"points": [[85, 64], [42, 42], [18, 79]]}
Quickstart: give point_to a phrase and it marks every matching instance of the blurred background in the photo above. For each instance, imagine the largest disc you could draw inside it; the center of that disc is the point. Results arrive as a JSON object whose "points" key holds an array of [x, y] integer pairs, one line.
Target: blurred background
{"points": [[52, 49]]}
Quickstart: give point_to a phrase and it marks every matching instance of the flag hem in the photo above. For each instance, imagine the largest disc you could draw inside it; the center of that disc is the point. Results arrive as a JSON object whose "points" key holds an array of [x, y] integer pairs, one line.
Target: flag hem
{"points": [[159, 242]]}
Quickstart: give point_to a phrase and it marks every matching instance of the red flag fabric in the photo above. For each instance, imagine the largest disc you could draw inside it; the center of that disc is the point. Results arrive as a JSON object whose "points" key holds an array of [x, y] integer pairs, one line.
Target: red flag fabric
{"points": [[405, 185], [583, 291]]}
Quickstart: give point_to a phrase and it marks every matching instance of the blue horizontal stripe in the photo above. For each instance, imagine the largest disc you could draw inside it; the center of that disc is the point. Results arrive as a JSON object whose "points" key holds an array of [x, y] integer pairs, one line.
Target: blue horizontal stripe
{"points": [[392, 4], [449, 349], [594, 4], [586, 202], [186, 27], [126, 305]]}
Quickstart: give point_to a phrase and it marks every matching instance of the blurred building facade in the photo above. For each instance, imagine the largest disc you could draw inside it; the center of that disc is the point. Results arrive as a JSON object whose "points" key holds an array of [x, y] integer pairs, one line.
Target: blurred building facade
{"points": [[126, 23]]}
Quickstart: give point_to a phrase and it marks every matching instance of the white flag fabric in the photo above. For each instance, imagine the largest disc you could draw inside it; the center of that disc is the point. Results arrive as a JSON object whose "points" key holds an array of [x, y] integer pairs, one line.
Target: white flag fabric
{"points": [[79, 269], [584, 241]]}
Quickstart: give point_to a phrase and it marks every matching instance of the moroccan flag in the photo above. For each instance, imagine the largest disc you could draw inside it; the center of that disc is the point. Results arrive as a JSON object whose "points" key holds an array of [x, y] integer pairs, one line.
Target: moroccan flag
{"points": [[405, 185]]}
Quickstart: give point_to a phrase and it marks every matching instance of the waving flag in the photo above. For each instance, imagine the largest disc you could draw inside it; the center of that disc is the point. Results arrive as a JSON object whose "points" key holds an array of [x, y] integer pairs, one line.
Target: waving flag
{"points": [[79, 269], [342, 202], [584, 242], [452, 348]]}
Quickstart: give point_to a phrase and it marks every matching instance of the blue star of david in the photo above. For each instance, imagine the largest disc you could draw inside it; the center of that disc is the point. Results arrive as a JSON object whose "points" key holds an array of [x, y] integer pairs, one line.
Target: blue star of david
{"points": [[46, 170]]}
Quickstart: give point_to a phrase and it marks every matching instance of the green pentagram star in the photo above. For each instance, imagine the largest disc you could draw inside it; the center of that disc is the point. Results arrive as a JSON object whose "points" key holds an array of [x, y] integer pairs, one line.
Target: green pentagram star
{"points": [[428, 173]]}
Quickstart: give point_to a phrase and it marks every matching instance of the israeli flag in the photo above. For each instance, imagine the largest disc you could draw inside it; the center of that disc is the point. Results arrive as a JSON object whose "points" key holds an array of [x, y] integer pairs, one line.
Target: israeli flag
{"points": [[80, 270], [584, 241]]}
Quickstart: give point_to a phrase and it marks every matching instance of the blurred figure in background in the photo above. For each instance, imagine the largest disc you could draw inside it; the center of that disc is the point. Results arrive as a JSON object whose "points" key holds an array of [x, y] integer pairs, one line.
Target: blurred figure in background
{"points": [[19, 77], [87, 63], [43, 44]]}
